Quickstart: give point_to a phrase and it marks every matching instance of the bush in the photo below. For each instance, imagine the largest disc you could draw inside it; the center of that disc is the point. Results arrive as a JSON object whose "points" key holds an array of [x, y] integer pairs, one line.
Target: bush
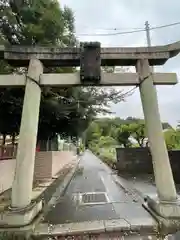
{"points": [[82, 147], [108, 156], [94, 148], [12, 236]]}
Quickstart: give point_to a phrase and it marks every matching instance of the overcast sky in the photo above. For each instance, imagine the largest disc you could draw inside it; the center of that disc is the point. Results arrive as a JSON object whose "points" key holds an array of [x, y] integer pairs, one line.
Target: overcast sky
{"points": [[100, 16]]}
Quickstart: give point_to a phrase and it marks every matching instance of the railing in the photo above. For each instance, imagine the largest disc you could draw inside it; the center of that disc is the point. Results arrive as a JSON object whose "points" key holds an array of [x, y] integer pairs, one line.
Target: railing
{"points": [[8, 152]]}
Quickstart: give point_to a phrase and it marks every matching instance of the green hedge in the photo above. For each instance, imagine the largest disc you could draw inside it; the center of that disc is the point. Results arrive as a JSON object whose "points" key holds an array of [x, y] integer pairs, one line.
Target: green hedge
{"points": [[12, 236], [109, 158]]}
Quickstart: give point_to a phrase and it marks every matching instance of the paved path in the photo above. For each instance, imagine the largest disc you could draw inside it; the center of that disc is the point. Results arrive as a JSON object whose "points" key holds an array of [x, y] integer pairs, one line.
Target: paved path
{"points": [[94, 176], [145, 187]]}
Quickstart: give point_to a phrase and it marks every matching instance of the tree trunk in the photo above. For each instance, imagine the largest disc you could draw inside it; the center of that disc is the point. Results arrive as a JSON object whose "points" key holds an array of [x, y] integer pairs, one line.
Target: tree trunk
{"points": [[4, 139], [13, 138], [13, 144]]}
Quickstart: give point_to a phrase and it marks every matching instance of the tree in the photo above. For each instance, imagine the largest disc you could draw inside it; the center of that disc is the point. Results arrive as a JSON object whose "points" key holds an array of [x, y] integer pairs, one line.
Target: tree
{"points": [[35, 22], [172, 139], [10, 107], [76, 110], [106, 142], [64, 110], [92, 134], [108, 131], [138, 132], [123, 134]]}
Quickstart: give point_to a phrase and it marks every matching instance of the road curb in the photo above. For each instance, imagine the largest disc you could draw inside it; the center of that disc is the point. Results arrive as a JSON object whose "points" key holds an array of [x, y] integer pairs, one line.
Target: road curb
{"points": [[102, 229], [61, 188], [136, 195]]}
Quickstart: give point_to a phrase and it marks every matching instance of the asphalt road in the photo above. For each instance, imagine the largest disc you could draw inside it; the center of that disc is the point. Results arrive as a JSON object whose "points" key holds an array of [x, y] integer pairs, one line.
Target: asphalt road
{"points": [[145, 187], [93, 176]]}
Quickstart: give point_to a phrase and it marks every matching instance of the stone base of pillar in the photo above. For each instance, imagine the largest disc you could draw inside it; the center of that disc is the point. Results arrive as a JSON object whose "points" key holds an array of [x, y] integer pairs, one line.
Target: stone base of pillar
{"points": [[20, 217], [167, 214], [164, 209]]}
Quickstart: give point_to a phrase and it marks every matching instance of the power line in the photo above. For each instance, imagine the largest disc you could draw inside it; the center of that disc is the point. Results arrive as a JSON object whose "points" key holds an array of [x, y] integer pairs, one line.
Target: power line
{"points": [[132, 90], [111, 29], [129, 32], [110, 34], [164, 26]]}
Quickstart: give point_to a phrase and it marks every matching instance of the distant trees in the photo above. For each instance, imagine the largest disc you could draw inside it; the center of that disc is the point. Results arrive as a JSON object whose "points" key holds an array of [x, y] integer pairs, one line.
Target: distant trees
{"points": [[138, 131], [172, 138], [127, 132], [123, 134]]}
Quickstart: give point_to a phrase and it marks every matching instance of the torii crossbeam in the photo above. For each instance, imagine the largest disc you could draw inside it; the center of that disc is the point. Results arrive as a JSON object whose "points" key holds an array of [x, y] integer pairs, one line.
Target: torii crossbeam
{"points": [[56, 56], [166, 205], [73, 79]]}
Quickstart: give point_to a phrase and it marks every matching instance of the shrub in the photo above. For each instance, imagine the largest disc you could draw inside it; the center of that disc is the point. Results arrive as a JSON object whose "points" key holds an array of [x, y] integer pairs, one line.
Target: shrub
{"points": [[108, 157], [94, 148], [12, 236]]}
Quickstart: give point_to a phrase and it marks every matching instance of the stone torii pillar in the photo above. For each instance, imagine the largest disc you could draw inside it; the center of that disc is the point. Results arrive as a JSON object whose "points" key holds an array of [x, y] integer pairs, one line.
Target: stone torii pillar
{"points": [[162, 169], [24, 172]]}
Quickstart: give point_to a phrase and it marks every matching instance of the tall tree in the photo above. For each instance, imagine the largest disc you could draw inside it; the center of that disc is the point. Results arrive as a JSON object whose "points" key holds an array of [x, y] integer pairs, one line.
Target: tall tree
{"points": [[36, 22], [31, 23], [63, 110]]}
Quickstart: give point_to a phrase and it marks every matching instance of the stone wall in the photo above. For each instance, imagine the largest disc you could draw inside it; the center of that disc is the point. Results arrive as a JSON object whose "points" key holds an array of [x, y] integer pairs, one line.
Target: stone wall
{"points": [[47, 165], [7, 169], [139, 161], [43, 166], [8, 152], [60, 159]]}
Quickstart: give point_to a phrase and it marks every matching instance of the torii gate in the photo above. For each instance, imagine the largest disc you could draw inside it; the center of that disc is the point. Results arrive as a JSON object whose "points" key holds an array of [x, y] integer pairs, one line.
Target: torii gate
{"points": [[90, 57]]}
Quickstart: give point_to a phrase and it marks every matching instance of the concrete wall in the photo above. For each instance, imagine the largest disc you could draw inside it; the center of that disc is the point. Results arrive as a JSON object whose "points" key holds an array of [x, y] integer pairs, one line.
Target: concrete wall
{"points": [[8, 152], [139, 161], [60, 159], [43, 166], [7, 168], [47, 165]]}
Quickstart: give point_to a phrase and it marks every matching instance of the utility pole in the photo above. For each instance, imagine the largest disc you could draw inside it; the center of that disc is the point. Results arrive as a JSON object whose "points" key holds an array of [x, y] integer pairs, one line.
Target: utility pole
{"points": [[148, 34], [148, 37]]}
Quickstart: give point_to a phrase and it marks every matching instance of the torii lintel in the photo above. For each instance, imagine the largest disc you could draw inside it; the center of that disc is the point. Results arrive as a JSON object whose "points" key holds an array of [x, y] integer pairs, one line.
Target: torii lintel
{"points": [[19, 56]]}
